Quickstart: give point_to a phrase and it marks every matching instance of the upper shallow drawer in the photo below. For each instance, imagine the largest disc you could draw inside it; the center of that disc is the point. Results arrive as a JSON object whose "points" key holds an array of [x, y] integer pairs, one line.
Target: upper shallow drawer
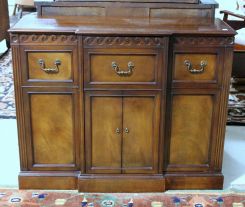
{"points": [[50, 65], [122, 67], [118, 65], [197, 68], [53, 65], [198, 62]]}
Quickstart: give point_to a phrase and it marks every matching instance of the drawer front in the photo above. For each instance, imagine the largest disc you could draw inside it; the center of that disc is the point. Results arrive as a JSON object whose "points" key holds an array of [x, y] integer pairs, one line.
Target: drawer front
{"points": [[122, 67], [50, 65], [195, 67], [125, 62]]}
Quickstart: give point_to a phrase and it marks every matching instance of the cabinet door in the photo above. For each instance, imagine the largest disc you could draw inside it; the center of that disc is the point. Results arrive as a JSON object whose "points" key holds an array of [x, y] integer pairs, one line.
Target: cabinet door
{"points": [[52, 129], [103, 133], [192, 131], [140, 133]]}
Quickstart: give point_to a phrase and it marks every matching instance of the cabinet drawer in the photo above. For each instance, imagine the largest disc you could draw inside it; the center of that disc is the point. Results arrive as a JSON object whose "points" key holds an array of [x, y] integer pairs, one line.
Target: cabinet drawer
{"points": [[125, 62], [195, 68], [122, 67], [50, 65]]}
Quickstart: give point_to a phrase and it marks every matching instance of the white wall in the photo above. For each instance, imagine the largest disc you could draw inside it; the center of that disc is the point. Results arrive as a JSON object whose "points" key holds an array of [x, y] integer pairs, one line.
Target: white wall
{"points": [[11, 6], [227, 5]]}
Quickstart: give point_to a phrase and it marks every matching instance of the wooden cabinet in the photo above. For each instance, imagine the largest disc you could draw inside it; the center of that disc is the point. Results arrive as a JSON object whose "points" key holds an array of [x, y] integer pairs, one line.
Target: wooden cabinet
{"points": [[122, 132], [121, 101]]}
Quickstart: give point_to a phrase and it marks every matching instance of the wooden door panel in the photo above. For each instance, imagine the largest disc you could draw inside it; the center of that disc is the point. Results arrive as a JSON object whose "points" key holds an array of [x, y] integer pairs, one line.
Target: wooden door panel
{"points": [[51, 118], [52, 130], [191, 131], [140, 133], [103, 140]]}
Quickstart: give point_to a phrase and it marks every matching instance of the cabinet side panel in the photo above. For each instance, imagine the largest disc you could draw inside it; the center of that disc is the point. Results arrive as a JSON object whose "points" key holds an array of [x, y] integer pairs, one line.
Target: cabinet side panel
{"points": [[191, 129]]}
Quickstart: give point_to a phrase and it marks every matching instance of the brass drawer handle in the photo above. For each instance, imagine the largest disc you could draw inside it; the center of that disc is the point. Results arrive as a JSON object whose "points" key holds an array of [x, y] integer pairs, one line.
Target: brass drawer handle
{"points": [[192, 70], [127, 130], [119, 72], [49, 70]]}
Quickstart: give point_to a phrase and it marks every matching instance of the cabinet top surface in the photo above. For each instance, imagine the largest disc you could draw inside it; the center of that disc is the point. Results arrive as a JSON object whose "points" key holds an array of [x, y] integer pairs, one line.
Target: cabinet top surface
{"points": [[143, 1], [119, 26]]}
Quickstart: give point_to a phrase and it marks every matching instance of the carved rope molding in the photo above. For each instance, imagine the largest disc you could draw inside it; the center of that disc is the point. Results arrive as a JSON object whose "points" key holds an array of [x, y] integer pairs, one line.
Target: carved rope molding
{"points": [[124, 41], [51, 39], [204, 41]]}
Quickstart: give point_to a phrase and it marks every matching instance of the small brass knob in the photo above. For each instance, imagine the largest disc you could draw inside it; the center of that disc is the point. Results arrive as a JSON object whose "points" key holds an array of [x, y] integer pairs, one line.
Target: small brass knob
{"points": [[126, 130], [118, 131]]}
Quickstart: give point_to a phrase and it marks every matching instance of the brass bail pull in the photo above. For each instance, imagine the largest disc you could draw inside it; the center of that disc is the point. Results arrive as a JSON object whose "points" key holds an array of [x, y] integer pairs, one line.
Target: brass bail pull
{"points": [[120, 72], [57, 63], [192, 70]]}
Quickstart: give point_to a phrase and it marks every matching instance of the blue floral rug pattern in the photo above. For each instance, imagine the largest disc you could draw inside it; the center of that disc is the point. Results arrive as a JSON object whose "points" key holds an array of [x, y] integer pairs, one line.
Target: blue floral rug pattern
{"points": [[7, 101]]}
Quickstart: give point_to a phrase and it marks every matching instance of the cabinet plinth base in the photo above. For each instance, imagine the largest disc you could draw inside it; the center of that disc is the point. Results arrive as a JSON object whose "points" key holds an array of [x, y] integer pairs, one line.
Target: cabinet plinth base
{"points": [[194, 182], [120, 184], [48, 181]]}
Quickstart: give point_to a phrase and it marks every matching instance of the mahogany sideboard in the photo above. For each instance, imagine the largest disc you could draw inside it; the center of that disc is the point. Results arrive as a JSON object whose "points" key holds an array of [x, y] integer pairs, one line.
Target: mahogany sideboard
{"points": [[122, 96]]}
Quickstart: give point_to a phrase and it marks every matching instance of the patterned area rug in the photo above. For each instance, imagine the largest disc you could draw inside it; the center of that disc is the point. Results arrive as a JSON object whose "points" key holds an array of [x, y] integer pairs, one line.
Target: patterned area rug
{"points": [[7, 104], [236, 107], [30, 198]]}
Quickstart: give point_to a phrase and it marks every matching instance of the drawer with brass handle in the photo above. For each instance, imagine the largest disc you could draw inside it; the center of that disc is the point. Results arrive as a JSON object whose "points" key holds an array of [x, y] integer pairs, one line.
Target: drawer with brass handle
{"points": [[200, 68], [123, 68], [49, 66]]}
